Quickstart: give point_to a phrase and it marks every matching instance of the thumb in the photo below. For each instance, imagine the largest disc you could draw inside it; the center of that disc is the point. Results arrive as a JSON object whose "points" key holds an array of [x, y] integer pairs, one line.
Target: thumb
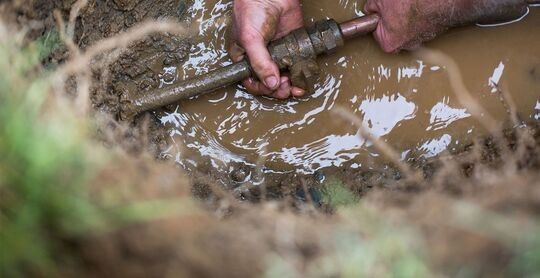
{"points": [[266, 70]]}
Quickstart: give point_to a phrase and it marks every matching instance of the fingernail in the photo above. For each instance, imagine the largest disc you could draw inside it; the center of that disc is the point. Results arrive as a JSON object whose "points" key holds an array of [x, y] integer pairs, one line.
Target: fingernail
{"points": [[271, 82], [297, 92]]}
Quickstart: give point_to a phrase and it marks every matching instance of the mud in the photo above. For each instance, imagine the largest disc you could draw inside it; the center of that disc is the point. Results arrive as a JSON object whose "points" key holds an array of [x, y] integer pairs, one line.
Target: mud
{"points": [[142, 64], [402, 99], [229, 135], [245, 141]]}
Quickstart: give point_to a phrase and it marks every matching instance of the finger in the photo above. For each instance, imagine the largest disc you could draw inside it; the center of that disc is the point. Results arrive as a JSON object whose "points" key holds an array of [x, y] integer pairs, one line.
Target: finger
{"points": [[236, 52], [261, 61], [284, 90], [256, 87], [297, 92]]}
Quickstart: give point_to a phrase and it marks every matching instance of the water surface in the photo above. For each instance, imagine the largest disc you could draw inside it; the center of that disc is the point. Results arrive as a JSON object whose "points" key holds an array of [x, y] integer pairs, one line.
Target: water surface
{"points": [[404, 101]]}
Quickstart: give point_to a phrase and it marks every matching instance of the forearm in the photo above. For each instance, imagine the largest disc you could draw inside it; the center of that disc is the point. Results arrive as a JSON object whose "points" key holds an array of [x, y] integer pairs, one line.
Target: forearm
{"points": [[489, 11]]}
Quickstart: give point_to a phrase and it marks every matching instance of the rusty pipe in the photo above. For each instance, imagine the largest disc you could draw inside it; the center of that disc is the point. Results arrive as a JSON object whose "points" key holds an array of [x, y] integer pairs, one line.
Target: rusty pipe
{"points": [[131, 106], [324, 38]]}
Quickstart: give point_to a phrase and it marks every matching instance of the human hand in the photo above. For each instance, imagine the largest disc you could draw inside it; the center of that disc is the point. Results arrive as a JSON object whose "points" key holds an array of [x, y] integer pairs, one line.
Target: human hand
{"points": [[405, 24], [255, 24]]}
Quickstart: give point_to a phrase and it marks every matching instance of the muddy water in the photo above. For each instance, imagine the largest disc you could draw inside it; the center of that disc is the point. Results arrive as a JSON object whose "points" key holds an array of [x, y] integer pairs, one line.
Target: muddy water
{"points": [[401, 99]]}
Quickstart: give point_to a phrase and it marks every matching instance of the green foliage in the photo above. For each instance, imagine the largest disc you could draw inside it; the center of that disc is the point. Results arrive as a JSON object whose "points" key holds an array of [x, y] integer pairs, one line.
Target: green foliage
{"points": [[335, 194], [527, 261], [380, 249], [44, 166], [363, 244], [48, 43], [387, 254]]}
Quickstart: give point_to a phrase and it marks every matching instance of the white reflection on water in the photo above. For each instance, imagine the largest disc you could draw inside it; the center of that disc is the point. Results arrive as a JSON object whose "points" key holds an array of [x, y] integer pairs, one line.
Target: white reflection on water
{"points": [[436, 146], [332, 150], [495, 78], [409, 72], [210, 52], [442, 115], [381, 115]]}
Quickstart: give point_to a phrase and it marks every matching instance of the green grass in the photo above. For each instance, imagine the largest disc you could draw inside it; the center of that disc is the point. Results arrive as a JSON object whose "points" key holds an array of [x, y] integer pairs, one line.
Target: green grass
{"points": [[44, 165], [336, 194]]}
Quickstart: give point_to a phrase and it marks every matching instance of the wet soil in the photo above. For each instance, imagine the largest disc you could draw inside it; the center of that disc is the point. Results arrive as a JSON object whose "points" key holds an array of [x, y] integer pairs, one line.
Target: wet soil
{"points": [[401, 99]]}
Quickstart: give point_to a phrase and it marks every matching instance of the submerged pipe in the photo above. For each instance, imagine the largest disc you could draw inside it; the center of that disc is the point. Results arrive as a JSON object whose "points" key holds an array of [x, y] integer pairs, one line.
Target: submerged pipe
{"points": [[130, 106], [198, 85]]}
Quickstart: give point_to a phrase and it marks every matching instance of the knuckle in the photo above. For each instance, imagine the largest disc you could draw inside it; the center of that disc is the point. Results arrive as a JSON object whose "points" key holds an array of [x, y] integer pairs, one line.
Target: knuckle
{"points": [[262, 65]]}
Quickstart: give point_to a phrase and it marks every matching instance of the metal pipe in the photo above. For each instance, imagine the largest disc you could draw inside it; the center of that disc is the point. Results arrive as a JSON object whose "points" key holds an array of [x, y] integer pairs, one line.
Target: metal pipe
{"points": [[199, 85], [359, 26], [130, 106]]}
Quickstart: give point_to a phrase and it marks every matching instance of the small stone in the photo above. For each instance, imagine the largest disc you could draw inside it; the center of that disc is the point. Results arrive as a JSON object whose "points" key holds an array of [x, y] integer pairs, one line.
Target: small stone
{"points": [[182, 8], [319, 176], [130, 20], [168, 60], [168, 77], [240, 174], [146, 84], [535, 73]]}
